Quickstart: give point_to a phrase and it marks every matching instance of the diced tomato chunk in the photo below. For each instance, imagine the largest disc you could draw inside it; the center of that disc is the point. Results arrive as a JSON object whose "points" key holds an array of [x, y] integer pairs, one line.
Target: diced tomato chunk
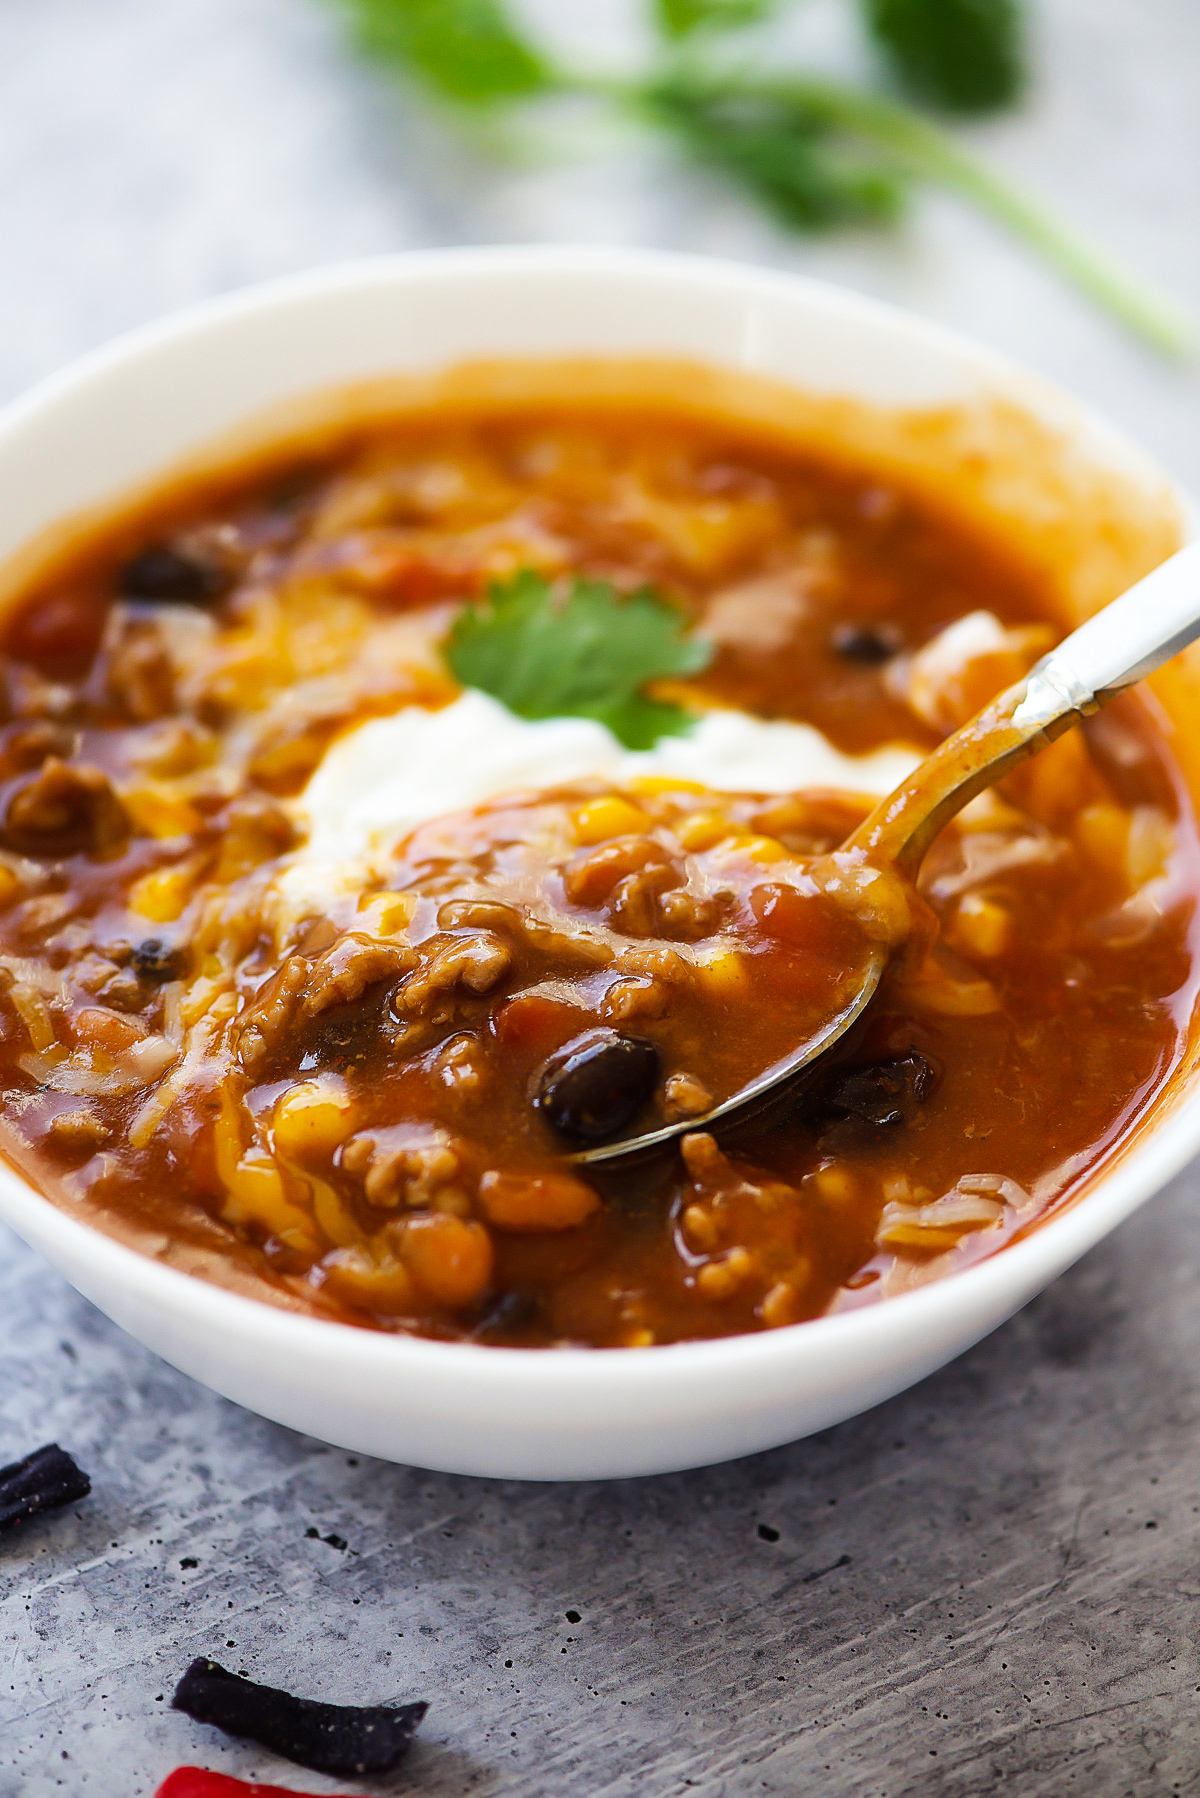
{"points": [[60, 631], [805, 921], [534, 1022], [414, 581]]}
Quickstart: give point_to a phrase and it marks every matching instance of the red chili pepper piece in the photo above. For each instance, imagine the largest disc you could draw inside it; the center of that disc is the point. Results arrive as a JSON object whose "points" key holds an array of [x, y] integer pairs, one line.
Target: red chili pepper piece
{"points": [[196, 1782]]}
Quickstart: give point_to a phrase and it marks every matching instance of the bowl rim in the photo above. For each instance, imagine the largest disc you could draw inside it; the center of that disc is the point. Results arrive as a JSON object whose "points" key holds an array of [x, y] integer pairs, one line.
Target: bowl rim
{"points": [[990, 1288]]}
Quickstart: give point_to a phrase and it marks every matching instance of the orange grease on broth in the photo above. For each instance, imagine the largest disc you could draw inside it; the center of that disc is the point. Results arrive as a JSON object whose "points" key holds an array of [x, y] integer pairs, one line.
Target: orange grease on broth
{"points": [[774, 519]]}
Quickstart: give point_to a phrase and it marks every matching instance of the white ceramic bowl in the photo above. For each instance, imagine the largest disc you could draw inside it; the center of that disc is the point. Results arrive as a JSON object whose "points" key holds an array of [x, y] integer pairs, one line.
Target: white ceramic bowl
{"points": [[116, 419]]}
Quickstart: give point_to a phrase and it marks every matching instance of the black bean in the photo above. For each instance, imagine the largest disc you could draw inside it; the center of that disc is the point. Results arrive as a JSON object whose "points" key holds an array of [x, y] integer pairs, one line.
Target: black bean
{"points": [[44, 1481], [883, 1092], [156, 960], [172, 575], [511, 1311], [342, 1739], [869, 644], [597, 1084]]}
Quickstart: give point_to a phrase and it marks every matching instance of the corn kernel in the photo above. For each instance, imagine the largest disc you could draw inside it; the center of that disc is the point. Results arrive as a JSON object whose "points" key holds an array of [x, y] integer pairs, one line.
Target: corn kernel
{"points": [[987, 811], [257, 1190], [1102, 832], [518, 1202], [450, 1259], [763, 849], [789, 812], [376, 1283], [160, 895], [1151, 842], [700, 1229], [292, 761], [720, 1279], [157, 812], [10, 884], [331, 1214], [700, 830], [651, 786], [313, 1118], [256, 1182], [836, 1182], [723, 974], [610, 816], [242, 685], [981, 926], [388, 913], [780, 1306], [452, 1201], [1057, 781]]}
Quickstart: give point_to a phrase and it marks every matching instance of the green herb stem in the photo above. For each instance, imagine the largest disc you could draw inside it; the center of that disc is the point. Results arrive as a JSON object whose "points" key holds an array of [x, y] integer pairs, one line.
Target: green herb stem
{"points": [[925, 150], [788, 140]]}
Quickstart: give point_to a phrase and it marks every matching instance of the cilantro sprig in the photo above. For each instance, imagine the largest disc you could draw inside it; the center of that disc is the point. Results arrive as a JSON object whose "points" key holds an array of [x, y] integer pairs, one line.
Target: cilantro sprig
{"points": [[818, 154], [679, 18], [467, 51], [802, 165], [960, 55], [577, 651]]}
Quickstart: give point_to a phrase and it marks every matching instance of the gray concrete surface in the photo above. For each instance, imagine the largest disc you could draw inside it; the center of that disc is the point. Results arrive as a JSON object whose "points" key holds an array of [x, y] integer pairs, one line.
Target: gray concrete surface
{"points": [[991, 1583]]}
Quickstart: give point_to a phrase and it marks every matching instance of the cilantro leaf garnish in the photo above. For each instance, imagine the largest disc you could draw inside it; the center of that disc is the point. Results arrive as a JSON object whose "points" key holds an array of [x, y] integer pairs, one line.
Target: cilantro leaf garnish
{"points": [[468, 51], [583, 651], [677, 18], [962, 55], [798, 159]]}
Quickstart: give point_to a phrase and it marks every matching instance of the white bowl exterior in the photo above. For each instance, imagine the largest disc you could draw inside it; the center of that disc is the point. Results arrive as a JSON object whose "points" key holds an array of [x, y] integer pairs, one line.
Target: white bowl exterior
{"points": [[115, 420]]}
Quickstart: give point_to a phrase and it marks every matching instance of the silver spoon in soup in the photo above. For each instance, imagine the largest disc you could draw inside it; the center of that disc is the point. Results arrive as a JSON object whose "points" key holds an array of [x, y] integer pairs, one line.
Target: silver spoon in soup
{"points": [[1121, 644]]}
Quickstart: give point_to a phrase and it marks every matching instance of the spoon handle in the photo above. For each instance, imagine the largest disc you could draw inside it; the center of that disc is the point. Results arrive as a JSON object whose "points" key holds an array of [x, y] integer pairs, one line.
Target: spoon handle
{"points": [[1124, 641], [1120, 644]]}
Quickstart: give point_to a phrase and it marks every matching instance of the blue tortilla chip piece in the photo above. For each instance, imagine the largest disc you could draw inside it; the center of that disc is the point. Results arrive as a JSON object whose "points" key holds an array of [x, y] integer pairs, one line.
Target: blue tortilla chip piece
{"points": [[341, 1739]]}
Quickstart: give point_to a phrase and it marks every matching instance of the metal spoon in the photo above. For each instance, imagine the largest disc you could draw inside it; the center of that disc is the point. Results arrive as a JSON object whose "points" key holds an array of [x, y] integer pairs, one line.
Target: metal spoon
{"points": [[1121, 644]]}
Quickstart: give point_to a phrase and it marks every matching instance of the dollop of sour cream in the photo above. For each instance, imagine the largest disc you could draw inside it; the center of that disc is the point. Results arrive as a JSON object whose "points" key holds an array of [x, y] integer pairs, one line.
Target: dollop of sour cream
{"points": [[383, 778], [388, 775]]}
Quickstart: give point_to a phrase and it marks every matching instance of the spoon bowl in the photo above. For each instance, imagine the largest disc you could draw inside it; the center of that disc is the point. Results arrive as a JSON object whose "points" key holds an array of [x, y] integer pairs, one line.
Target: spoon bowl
{"points": [[757, 1102]]}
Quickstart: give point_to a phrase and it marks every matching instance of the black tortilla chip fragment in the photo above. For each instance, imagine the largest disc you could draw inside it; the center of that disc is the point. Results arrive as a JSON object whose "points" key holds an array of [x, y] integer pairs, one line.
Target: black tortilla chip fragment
{"points": [[341, 1739], [43, 1481]]}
